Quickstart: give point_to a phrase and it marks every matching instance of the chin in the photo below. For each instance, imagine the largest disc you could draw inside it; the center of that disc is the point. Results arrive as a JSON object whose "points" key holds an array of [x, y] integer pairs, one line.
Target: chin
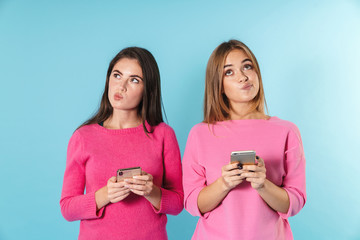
{"points": [[124, 108]]}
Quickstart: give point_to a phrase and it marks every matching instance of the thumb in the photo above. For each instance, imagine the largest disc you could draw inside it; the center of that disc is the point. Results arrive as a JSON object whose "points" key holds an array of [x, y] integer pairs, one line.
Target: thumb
{"points": [[112, 179]]}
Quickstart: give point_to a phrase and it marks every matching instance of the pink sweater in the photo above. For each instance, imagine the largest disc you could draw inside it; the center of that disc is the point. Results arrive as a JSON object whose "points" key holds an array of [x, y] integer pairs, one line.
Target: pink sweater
{"points": [[243, 214], [94, 155]]}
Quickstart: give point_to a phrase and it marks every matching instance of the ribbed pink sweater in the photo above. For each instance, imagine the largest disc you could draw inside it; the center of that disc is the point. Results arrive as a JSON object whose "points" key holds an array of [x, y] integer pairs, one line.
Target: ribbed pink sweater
{"points": [[243, 214], [94, 154]]}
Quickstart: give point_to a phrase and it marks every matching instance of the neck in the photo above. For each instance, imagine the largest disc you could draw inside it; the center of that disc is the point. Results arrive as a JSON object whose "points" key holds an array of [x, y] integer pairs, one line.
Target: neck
{"points": [[121, 119], [244, 111]]}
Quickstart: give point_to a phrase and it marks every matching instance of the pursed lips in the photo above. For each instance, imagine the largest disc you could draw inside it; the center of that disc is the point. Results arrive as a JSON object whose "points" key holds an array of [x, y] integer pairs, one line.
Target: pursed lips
{"points": [[118, 96], [246, 87]]}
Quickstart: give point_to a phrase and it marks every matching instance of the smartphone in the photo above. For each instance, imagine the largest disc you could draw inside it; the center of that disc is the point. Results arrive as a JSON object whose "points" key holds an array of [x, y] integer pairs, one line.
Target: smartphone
{"points": [[243, 157], [123, 173]]}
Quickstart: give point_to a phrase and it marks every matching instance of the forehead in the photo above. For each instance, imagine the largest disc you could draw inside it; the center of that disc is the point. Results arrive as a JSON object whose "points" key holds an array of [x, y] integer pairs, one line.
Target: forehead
{"points": [[128, 65], [236, 56]]}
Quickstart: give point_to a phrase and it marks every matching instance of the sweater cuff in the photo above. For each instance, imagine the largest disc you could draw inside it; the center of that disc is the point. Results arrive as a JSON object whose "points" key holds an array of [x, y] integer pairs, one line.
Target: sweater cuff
{"points": [[288, 213], [164, 202], [90, 206], [192, 205]]}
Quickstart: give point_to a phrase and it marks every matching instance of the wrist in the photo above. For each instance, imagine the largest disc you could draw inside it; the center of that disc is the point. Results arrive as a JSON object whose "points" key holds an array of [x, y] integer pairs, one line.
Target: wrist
{"points": [[154, 197], [223, 186], [101, 197], [262, 187], [155, 191]]}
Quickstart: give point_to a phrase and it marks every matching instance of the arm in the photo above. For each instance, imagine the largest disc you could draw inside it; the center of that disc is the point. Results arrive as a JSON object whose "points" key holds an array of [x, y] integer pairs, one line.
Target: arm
{"points": [[294, 181], [101, 198], [172, 193], [289, 198], [201, 198], [143, 185], [75, 205], [169, 197], [194, 178], [274, 196], [113, 192], [212, 195]]}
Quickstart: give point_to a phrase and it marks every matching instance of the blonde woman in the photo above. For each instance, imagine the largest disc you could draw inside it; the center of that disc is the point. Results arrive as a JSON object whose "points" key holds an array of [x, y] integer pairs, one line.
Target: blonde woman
{"points": [[237, 201]]}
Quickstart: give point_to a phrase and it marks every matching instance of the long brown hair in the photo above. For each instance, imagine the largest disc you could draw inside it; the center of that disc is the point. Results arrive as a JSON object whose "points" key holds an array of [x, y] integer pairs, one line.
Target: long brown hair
{"points": [[150, 107], [216, 104]]}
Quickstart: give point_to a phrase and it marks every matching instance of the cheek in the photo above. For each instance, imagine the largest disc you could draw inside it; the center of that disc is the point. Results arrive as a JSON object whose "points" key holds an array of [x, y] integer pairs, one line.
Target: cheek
{"points": [[111, 86], [137, 92], [227, 86], [255, 81]]}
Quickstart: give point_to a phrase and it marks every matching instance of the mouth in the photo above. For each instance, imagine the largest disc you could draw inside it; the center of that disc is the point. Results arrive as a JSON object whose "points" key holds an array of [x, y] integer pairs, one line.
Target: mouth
{"points": [[118, 96], [247, 87]]}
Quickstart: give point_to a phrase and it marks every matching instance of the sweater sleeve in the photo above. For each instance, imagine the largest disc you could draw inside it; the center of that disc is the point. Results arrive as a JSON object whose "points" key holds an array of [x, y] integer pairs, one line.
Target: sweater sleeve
{"points": [[294, 179], [194, 179], [172, 194], [74, 204]]}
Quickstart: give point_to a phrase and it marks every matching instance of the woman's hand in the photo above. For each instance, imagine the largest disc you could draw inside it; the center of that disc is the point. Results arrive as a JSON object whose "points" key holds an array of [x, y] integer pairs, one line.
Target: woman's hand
{"points": [[231, 176], [143, 185], [116, 190], [275, 196], [255, 174]]}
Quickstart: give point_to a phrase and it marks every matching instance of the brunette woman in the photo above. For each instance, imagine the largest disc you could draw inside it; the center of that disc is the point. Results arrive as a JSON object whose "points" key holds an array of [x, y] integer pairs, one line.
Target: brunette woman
{"points": [[127, 131]]}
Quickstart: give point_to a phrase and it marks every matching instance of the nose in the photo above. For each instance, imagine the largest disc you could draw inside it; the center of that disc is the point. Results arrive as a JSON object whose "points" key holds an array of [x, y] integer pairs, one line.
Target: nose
{"points": [[122, 86], [242, 76]]}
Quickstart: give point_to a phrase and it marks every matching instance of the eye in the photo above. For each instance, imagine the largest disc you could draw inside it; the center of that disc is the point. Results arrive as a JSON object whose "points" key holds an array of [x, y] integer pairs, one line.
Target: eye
{"points": [[134, 80], [117, 76], [248, 67], [228, 73]]}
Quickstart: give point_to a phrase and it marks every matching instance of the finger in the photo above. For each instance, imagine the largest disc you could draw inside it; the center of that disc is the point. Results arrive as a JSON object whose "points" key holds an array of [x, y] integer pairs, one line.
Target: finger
{"points": [[234, 172], [112, 179], [254, 180], [260, 161], [136, 187], [251, 167], [254, 168], [146, 177], [234, 181], [119, 193], [134, 181], [120, 198], [250, 175], [230, 166], [141, 193], [235, 178], [143, 172], [116, 184], [112, 190]]}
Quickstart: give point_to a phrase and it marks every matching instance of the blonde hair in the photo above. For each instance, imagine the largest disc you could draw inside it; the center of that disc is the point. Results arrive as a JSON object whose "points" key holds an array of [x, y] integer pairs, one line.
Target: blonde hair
{"points": [[216, 104]]}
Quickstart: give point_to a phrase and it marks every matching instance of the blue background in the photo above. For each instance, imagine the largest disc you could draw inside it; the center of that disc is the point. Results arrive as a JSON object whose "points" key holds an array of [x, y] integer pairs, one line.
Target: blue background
{"points": [[53, 61]]}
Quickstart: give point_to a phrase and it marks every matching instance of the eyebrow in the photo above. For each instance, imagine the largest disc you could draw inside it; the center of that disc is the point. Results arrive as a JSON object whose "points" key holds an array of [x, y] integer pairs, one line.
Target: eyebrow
{"points": [[229, 65], [130, 75]]}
